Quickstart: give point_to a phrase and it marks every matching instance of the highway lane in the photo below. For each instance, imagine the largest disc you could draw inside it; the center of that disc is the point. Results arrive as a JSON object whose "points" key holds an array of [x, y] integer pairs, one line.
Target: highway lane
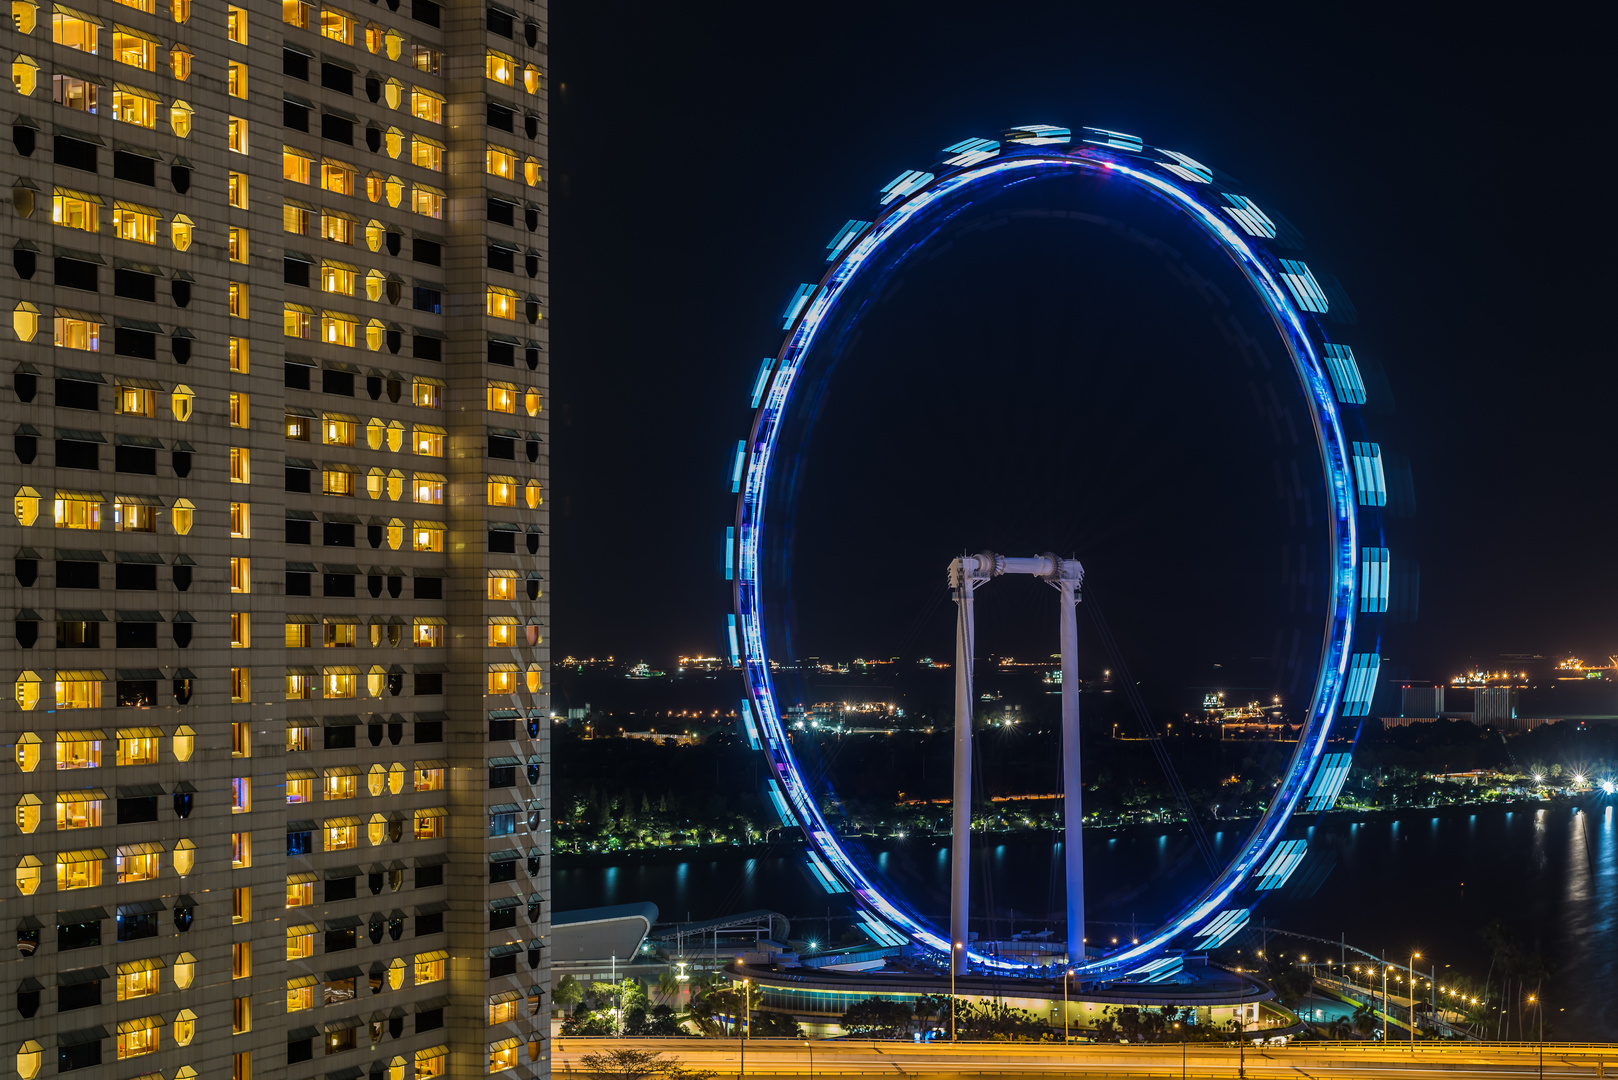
{"points": [[1304, 1061]]}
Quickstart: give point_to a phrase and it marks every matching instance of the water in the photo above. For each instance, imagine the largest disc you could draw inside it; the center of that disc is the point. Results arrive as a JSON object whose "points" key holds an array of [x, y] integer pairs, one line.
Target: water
{"points": [[1428, 882]]}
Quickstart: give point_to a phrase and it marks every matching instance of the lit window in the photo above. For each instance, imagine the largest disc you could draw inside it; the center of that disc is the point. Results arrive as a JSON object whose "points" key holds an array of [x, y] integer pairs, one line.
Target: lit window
{"points": [[238, 409], [184, 743], [137, 862], [241, 739], [500, 68], [341, 834], [502, 1012], [181, 402], [148, 6], [337, 176], [337, 26], [502, 680], [181, 516], [300, 994], [138, 1037], [298, 739], [238, 246], [531, 80], [134, 106], [297, 637], [340, 684], [74, 92], [392, 95], [530, 172], [341, 784], [180, 116], [131, 222], [240, 465], [180, 63], [241, 952], [424, 58], [337, 328], [531, 494], [134, 48], [502, 586], [502, 632], [238, 190], [427, 201], [241, 794], [426, 105], [241, 850], [429, 967], [373, 38], [502, 397], [502, 491], [238, 355], [428, 153], [427, 488], [299, 893], [300, 687], [337, 278], [296, 321], [296, 219], [393, 138], [336, 482], [78, 749], [336, 226], [429, 824], [373, 186], [24, 75], [241, 630], [427, 395], [77, 510], [139, 981], [427, 536], [134, 400], [238, 135], [504, 1057], [25, 13], [75, 210], [79, 869], [241, 684], [129, 516], [138, 746], [78, 809], [74, 31], [241, 520], [180, 232], [498, 161], [241, 1015], [341, 635], [236, 24], [502, 302], [432, 1062], [427, 635], [296, 167], [180, 9], [427, 441], [297, 13]]}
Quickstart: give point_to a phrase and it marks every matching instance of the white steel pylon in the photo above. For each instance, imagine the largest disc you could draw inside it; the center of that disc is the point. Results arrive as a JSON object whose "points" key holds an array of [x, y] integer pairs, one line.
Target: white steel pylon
{"points": [[1067, 577]]}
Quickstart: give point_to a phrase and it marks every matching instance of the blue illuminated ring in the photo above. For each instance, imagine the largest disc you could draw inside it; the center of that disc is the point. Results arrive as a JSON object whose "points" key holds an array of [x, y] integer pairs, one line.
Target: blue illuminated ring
{"points": [[1187, 187]]}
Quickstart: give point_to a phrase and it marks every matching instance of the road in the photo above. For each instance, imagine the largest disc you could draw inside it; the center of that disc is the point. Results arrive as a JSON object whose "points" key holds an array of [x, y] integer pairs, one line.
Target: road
{"points": [[768, 1058]]}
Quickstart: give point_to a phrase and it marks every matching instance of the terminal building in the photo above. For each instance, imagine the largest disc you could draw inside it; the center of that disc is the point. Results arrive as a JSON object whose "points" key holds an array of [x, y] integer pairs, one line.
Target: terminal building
{"points": [[278, 541]]}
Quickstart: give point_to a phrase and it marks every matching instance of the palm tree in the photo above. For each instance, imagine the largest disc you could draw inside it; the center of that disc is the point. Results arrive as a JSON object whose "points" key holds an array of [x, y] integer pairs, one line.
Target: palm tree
{"points": [[668, 987], [1365, 1019]]}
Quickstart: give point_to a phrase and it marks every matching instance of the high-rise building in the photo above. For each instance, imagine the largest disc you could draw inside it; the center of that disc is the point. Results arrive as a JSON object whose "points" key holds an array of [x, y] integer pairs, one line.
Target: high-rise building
{"points": [[276, 383], [1421, 700]]}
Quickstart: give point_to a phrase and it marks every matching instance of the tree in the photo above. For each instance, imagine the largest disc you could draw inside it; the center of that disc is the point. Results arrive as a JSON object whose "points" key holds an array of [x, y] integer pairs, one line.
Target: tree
{"points": [[638, 1065], [568, 991], [768, 1024], [1364, 1019], [1290, 982], [877, 1018], [668, 986]]}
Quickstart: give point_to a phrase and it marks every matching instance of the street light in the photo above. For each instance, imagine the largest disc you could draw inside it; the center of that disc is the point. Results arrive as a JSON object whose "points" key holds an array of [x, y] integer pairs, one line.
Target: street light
{"points": [[1182, 1051], [747, 1015], [811, 1047], [1533, 999], [953, 948], [1414, 956]]}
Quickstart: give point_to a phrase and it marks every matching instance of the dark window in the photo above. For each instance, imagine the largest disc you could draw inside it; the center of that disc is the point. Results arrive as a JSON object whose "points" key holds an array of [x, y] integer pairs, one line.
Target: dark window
{"points": [[130, 342], [25, 262], [499, 116], [336, 77], [133, 811], [135, 927], [502, 965], [77, 455], [299, 1050], [429, 588], [429, 731], [337, 534], [137, 635], [136, 168], [336, 128], [428, 876], [135, 285], [429, 1020], [339, 736], [338, 584], [82, 995], [426, 348], [297, 479], [341, 889], [300, 842], [77, 635], [424, 11], [426, 251], [294, 115], [503, 918], [337, 382], [141, 577], [503, 541], [79, 1056], [502, 446], [75, 153], [498, 22], [428, 684], [430, 924], [339, 940], [78, 575], [502, 824], [295, 272], [135, 459], [502, 259], [180, 177], [502, 776], [504, 870], [73, 394], [297, 531], [297, 583], [503, 353], [502, 212], [424, 299], [295, 64], [84, 935], [502, 730], [295, 376], [77, 274]]}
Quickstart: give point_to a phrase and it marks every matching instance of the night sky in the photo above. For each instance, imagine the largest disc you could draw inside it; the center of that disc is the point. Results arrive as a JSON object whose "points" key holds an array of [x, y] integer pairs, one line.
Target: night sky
{"points": [[1443, 166]]}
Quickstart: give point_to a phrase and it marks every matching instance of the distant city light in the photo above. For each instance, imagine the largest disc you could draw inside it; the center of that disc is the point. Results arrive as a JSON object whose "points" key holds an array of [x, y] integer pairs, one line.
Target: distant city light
{"points": [[1607, 786]]}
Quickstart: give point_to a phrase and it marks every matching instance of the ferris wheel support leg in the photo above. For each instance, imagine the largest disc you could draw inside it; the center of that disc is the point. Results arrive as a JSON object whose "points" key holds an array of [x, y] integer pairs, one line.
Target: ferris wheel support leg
{"points": [[1072, 782], [964, 581]]}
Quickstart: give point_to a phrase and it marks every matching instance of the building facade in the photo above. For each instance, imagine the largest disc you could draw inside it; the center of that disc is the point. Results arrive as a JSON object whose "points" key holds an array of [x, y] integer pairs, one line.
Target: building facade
{"points": [[277, 384]]}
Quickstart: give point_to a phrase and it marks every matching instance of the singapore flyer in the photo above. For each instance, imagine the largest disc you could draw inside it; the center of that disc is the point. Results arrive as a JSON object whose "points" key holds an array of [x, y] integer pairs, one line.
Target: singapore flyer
{"points": [[1240, 256]]}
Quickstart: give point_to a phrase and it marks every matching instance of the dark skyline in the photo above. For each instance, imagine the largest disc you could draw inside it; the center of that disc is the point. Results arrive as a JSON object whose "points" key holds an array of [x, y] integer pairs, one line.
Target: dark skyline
{"points": [[704, 157]]}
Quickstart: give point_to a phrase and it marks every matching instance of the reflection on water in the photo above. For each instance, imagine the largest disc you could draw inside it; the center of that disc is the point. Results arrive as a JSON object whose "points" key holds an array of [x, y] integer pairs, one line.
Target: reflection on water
{"points": [[1418, 882]]}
